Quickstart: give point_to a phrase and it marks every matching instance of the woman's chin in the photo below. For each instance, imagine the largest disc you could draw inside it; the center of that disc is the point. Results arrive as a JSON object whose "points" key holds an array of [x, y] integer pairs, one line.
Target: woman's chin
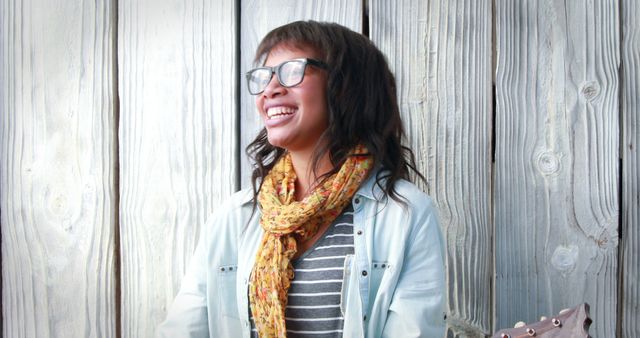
{"points": [[279, 142]]}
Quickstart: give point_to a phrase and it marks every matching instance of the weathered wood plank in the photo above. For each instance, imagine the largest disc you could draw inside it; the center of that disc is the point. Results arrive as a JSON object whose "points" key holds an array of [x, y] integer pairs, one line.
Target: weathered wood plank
{"points": [[177, 84], [58, 168], [557, 145], [630, 264], [260, 17], [440, 52]]}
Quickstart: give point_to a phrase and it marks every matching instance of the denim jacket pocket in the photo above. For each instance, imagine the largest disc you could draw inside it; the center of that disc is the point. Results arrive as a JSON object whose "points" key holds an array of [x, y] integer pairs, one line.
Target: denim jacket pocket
{"points": [[227, 276], [378, 269]]}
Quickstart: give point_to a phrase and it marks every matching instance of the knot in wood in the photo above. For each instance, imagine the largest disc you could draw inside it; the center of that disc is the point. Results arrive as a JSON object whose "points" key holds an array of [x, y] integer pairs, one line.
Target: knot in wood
{"points": [[608, 238], [564, 258], [548, 163], [590, 90]]}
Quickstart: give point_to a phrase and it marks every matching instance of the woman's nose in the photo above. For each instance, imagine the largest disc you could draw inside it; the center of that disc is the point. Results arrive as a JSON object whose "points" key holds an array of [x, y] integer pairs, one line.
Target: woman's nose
{"points": [[273, 88]]}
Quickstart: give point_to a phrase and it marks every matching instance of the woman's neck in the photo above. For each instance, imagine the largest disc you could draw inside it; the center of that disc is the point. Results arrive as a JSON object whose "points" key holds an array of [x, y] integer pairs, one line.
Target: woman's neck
{"points": [[303, 165]]}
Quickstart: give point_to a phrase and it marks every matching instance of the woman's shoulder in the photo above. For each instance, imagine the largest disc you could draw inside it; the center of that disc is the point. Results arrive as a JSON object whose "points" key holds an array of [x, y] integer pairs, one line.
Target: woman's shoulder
{"points": [[409, 194], [413, 199], [232, 211], [235, 201], [240, 198], [412, 192]]}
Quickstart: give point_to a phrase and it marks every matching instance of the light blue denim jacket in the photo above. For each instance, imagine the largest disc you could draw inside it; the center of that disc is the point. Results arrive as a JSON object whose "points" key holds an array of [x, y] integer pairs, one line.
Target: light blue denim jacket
{"points": [[393, 285]]}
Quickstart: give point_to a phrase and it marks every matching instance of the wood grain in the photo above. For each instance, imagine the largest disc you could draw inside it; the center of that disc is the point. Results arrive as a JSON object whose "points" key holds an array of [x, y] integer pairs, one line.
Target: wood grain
{"points": [[257, 19], [58, 168], [554, 198], [177, 83], [557, 145], [630, 263], [440, 52]]}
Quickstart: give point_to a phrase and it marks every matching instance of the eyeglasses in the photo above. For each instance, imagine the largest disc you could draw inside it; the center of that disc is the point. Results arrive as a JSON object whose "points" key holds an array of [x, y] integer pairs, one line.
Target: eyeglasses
{"points": [[290, 73]]}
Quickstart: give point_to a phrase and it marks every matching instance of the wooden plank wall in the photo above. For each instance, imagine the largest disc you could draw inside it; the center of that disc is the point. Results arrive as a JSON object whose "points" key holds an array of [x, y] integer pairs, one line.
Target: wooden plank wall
{"points": [[440, 52], [557, 170], [630, 150], [178, 152], [528, 234], [58, 168]]}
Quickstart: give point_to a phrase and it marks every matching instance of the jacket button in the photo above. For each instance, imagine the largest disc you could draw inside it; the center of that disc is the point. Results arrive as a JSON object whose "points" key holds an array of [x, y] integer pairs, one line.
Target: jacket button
{"points": [[359, 232], [357, 200], [364, 273]]}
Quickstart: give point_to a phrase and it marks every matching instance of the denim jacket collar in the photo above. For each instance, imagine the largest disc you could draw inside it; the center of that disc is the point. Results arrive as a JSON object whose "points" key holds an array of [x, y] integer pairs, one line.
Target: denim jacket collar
{"points": [[369, 189]]}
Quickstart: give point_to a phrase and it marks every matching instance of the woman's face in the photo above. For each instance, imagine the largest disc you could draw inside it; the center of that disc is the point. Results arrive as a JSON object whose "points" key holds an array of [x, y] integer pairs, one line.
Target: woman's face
{"points": [[294, 117]]}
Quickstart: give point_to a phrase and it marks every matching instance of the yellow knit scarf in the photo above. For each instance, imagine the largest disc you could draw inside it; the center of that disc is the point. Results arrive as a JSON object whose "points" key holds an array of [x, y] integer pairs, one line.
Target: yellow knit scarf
{"points": [[283, 219]]}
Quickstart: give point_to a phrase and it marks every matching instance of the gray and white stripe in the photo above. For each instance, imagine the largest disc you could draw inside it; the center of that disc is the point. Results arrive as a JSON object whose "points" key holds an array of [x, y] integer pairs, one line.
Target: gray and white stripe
{"points": [[313, 309]]}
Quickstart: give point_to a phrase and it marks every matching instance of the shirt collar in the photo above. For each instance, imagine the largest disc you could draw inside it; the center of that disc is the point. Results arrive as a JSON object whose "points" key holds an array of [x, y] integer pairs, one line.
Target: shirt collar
{"points": [[247, 196], [369, 189]]}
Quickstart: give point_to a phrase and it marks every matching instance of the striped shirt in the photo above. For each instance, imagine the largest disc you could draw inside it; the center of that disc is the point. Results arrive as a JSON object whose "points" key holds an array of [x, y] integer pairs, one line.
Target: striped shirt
{"points": [[313, 309]]}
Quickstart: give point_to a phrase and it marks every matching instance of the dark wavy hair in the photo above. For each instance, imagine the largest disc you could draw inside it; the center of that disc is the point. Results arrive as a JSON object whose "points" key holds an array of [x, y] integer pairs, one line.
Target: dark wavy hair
{"points": [[361, 101]]}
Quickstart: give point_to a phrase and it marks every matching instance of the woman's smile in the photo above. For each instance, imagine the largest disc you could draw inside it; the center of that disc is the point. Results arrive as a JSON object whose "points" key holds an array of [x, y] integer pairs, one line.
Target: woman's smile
{"points": [[279, 115], [279, 112]]}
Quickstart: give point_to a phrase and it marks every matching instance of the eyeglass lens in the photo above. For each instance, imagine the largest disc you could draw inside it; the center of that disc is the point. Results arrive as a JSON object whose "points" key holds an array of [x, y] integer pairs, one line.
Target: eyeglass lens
{"points": [[289, 73]]}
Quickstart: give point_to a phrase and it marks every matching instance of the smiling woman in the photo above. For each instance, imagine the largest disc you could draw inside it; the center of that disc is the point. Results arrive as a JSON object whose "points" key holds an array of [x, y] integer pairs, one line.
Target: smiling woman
{"points": [[333, 240]]}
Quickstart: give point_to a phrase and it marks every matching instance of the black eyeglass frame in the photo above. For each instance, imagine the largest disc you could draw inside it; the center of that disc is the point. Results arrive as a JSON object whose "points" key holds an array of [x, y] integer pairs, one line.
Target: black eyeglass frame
{"points": [[276, 70]]}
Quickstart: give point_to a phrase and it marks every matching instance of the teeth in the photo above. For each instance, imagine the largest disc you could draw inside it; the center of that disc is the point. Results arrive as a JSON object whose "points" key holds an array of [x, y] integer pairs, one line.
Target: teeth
{"points": [[280, 111]]}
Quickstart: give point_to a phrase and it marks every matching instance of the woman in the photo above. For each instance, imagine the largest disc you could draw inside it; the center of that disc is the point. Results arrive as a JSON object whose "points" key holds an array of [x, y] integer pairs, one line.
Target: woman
{"points": [[332, 240]]}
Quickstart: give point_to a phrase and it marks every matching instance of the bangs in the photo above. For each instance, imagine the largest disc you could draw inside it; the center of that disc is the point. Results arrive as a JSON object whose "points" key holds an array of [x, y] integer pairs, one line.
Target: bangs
{"points": [[296, 35]]}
